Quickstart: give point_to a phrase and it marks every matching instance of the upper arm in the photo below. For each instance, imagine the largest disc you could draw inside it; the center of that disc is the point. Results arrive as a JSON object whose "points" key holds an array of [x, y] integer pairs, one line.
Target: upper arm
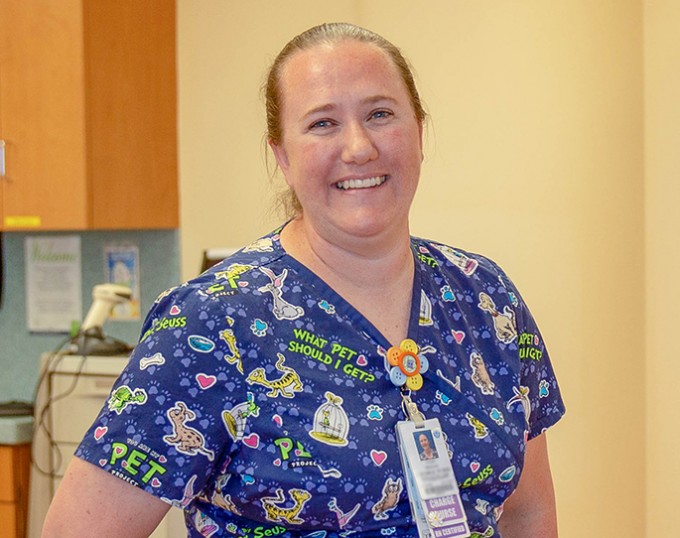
{"points": [[530, 511], [90, 499]]}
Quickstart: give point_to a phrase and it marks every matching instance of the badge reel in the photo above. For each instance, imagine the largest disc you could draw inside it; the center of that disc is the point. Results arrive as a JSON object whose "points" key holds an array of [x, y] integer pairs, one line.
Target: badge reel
{"points": [[432, 487]]}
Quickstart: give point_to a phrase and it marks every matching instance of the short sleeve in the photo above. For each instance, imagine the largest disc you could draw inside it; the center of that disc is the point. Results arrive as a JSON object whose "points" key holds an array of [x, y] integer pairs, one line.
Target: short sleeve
{"points": [[539, 391], [164, 427]]}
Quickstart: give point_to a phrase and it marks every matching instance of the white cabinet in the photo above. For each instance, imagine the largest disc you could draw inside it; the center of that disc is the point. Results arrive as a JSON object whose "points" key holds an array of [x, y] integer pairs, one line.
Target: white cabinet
{"points": [[69, 399]]}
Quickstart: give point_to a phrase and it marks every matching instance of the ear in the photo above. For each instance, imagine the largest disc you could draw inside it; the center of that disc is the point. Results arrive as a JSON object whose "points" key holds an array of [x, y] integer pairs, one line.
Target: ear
{"points": [[281, 157]]}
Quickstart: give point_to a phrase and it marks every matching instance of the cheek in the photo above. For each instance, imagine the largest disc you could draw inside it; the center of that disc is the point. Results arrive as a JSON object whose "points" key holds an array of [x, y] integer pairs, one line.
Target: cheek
{"points": [[407, 158], [405, 145], [308, 162]]}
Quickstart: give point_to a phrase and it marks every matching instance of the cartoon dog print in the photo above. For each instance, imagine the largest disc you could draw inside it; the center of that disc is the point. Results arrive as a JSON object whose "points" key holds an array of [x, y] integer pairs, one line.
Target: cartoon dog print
{"points": [[480, 375], [185, 439], [206, 526], [504, 323], [220, 499], [488, 533], [425, 318]]}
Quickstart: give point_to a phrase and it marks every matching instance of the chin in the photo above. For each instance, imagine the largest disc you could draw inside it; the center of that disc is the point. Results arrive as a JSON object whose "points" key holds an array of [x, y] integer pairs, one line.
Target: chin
{"points": [[369, 226]]}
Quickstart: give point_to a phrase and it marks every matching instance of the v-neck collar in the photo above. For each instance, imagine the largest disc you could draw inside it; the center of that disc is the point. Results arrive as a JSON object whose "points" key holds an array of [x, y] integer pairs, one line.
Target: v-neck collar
{"points": [[344, 308]]}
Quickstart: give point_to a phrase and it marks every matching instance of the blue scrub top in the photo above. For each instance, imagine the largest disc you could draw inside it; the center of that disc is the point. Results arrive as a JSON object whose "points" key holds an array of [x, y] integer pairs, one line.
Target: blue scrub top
{"points": [[260, 401]]}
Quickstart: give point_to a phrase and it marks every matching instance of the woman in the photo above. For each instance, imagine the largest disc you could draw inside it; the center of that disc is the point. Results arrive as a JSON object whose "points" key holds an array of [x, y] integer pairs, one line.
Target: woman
{"points": [[263, 396], [427, 452]]}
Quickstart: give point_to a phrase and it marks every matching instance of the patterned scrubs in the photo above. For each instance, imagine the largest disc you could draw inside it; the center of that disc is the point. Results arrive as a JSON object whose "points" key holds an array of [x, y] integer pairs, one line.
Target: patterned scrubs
{"points": [[260, 402]]}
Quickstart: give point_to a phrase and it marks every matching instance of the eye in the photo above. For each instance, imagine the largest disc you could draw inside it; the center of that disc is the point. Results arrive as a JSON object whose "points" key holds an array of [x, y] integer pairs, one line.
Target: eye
{"points": [[321, 124], [381, 114]]}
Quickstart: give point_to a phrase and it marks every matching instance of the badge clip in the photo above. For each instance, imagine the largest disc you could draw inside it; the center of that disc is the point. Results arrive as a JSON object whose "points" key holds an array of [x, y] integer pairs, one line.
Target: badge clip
{"points": [[411, 411]]}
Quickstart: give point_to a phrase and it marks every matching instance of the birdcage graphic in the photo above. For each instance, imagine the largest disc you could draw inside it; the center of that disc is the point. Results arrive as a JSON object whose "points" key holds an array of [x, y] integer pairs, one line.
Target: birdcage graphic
{"points": [[235, 418], [331, 424]]}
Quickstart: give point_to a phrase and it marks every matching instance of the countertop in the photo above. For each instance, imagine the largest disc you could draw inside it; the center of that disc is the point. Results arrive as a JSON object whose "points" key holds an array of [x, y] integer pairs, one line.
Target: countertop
{"points": [[16, 430]]}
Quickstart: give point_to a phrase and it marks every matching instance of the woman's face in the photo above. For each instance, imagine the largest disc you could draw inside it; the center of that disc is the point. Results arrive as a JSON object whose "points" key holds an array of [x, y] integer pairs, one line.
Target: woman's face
{"points": [[351, 145], [424, 442]]}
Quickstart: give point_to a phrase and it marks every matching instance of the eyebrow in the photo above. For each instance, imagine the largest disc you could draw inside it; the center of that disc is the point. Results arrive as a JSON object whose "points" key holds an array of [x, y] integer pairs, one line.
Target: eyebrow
{"points": [[330, 106]]}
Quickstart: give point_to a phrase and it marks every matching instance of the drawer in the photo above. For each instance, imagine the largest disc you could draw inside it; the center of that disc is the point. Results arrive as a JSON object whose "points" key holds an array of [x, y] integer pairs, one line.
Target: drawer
{"points": [[8, 518], [7, 477], [84, 396]]}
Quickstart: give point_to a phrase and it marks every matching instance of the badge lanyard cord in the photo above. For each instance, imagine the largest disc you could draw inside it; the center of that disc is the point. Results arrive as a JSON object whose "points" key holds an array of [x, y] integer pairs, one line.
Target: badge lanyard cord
{"points": [[436, 505]]}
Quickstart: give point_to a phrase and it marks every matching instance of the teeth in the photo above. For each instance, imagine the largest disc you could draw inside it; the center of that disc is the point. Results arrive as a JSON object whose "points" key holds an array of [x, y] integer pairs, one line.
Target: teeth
{"points": [[361, 183]]}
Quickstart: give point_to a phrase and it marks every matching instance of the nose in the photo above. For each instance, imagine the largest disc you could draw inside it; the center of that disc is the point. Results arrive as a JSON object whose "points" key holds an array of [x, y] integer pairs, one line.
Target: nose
{"points": [[358, 145]]}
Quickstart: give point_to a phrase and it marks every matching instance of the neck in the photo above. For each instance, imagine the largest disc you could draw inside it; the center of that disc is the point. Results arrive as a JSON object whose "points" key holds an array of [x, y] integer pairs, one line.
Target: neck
{"points": [[375, 276], [374, 262]]}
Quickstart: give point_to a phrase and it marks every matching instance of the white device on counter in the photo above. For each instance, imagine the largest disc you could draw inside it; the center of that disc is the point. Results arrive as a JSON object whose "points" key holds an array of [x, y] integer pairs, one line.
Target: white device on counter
{"points": [[90, 339], [105, 297]]}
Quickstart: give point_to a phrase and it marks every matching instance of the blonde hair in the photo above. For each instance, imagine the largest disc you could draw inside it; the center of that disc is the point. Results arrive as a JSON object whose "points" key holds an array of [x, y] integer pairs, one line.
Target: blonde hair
{"points": [[327, 34]]}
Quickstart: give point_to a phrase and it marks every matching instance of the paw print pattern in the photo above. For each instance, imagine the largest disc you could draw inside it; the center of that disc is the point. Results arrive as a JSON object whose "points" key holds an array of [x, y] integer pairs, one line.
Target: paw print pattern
{"points": [[131, 430], [327, 307], [258, 327], [178, 350], [185, 379], [443, 398], [374, 412], [497, 416], [467, 296], [447, 294]]}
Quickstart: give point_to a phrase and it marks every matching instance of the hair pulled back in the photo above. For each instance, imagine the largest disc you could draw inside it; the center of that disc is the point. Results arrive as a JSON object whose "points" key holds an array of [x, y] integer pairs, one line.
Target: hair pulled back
{"points": [[327, 34]]}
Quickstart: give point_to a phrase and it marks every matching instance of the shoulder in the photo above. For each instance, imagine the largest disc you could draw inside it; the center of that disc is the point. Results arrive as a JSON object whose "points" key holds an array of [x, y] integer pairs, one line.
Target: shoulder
{"points": [[466, 272], [446, 257], [229, 285], [234, 273]]}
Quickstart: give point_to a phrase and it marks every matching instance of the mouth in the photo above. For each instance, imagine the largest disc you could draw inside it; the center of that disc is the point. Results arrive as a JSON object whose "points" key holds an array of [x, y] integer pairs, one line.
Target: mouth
{"points": [[367, 183]]}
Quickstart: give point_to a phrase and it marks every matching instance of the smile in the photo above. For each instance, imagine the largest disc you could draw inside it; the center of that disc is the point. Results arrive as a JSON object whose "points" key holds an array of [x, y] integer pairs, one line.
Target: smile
{"points": [[361, 183]]}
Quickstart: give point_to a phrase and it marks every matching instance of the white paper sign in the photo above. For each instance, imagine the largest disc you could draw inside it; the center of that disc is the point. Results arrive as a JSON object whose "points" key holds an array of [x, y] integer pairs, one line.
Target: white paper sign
{"points": [[53, 283]]}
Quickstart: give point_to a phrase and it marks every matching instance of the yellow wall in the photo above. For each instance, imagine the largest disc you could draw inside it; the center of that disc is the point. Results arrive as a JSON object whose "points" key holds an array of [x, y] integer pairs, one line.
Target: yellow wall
{"points": [[662, 219], [534, 157]]}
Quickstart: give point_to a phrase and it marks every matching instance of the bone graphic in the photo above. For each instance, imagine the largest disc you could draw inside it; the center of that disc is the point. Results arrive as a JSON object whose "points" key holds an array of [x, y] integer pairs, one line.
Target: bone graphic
{"points": [[156, 359]]}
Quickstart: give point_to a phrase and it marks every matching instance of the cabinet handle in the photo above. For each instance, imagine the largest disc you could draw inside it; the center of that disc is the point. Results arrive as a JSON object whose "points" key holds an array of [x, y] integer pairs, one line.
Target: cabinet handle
{"points": [[2, 158]]}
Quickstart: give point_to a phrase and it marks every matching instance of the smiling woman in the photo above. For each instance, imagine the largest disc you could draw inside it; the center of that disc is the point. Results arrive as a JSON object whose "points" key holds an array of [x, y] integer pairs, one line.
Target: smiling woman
{"points": [[274, 407], [352, 158]]}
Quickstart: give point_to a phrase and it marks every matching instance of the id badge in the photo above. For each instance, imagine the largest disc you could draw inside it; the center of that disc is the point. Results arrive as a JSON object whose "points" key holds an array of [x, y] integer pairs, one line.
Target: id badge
{"points": [[430, 481]]}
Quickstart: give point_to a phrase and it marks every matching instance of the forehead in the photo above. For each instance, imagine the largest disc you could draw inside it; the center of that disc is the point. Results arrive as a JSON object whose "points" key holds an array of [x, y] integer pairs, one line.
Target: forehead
{"points": [[326, 70]]}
